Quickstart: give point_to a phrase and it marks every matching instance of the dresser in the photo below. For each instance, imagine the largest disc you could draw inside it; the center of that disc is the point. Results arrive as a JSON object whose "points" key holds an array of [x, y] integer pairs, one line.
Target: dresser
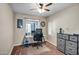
{"points": [[68, 43]]}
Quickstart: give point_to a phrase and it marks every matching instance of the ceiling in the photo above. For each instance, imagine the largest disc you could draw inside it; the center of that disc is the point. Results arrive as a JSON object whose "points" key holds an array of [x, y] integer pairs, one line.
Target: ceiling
{"points": [[25, 8]]}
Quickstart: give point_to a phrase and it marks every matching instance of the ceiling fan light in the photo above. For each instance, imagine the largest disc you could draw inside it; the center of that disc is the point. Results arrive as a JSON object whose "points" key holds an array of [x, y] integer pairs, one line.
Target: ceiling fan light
{"points": [[41, 10]]}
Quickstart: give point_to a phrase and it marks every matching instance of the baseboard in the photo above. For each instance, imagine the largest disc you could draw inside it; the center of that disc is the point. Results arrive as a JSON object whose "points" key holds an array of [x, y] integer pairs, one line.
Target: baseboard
{"points": [[16, 44], [51, 43], [11, 50]]}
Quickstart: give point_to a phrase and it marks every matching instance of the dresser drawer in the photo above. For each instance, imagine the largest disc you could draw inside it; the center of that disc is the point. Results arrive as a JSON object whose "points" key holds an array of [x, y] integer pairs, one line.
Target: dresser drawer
{"points": [[71, 44], [60, 35], [61, 44], [61, 41], [65, 36], [71, 51], [60, 48], [73, 38]]}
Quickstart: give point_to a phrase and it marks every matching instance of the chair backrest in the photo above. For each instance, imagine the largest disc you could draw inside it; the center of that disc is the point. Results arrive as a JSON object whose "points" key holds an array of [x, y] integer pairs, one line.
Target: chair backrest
{"points": [[38, 35]]}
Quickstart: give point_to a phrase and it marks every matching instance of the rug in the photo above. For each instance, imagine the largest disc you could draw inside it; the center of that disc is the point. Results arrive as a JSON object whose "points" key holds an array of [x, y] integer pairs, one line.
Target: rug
{"points": [[34, 51]]}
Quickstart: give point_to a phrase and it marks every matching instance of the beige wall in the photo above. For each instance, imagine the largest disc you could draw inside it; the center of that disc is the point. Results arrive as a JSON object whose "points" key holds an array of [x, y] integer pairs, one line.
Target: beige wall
{"points": [[19, 33], [68, 19], [6, 29]]}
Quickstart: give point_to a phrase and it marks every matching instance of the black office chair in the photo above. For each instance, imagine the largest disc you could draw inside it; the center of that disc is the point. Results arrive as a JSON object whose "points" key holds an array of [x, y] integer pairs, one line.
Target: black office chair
{"points": [[38, 37]]}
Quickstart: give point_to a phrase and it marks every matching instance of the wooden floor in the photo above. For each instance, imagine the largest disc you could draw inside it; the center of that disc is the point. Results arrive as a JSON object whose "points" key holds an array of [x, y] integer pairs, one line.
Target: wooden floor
{"points": [[47, 49]]}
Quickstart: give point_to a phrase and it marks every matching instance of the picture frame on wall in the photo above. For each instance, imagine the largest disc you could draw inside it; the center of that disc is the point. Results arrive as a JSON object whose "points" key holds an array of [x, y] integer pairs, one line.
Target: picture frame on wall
{"points": [[42, 23], [19, 23]]}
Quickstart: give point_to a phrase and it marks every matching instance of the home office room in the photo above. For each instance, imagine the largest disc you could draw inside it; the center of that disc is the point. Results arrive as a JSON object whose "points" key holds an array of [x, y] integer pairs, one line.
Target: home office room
{"points": [[39, 28]]}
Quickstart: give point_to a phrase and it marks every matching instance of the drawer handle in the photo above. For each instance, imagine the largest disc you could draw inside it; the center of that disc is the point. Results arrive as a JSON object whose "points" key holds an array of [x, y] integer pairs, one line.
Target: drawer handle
{"points": [[60, 40], [69, 54], [70, 43], [70, 49], [73, 38]]}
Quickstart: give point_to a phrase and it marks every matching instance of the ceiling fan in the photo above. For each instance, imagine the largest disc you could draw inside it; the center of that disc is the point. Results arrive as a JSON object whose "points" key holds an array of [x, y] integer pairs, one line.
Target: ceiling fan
{"points": [[43, 6]]}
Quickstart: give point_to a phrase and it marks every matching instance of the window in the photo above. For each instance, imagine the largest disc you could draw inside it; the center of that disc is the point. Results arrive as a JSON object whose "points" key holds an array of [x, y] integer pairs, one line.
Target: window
{"points": [[32, 25], [28, 28]]}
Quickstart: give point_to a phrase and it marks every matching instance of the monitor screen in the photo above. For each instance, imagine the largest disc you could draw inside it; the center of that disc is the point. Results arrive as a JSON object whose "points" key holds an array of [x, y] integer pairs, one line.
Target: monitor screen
{"points": [[38, 30]]}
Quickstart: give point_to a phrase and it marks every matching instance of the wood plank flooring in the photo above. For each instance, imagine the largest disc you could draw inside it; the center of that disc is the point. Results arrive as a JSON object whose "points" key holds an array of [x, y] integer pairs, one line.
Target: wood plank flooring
{"points": [[47, 49]]}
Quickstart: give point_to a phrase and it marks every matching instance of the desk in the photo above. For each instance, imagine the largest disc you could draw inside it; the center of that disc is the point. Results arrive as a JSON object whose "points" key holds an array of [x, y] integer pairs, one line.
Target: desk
{"points": [[30, 39]]}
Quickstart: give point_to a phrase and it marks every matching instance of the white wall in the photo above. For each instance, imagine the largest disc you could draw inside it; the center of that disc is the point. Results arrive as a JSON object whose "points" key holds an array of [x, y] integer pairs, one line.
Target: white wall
{"points": [[68, 19], [6, 29], [19, 33]]}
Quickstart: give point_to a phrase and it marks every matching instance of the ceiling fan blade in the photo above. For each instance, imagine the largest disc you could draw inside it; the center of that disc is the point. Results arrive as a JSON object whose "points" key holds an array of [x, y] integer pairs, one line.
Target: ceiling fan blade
{"points": [[41, 5], [49, 4], [47, 9]]}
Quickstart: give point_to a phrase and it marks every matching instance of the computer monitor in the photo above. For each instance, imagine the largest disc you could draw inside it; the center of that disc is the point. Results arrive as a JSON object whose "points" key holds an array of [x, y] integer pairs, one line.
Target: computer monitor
{"points": [[39, 30]]}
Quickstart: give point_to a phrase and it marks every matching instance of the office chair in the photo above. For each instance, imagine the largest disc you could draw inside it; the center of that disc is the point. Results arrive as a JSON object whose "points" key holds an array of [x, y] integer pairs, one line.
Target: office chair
{"points": [[38, 37]]}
